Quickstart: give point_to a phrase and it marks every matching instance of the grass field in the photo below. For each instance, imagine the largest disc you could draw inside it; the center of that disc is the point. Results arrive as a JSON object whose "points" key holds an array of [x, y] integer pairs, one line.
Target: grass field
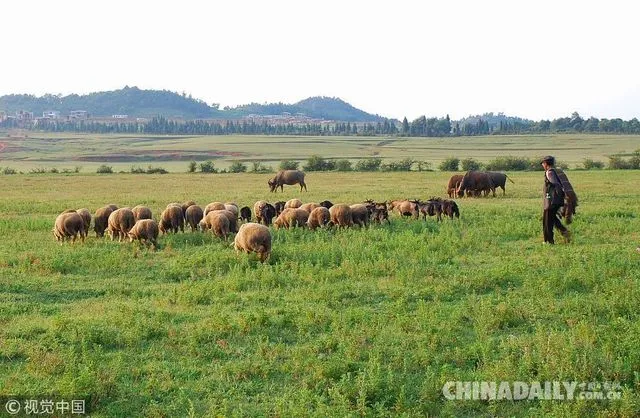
{"points": [[336, 323], [68, 150]]}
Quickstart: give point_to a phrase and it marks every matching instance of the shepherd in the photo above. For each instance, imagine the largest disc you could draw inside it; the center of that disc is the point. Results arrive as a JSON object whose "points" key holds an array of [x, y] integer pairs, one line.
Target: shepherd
{"points": [[558, 192]]}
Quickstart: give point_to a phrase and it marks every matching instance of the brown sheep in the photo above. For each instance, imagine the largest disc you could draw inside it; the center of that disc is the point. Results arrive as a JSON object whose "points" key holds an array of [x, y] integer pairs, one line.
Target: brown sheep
{"points": [[404, 208], [145, 230], [292, 217], [171, 219], [112, 207], [232, 208], [318, 218], [101, 220], [341, 215], [233, 219], [257, 209], [67, 225], [245, 214], [120, 222], [213, 206], [293, 203], [141, 212], [218, 222], [193, 216], [360, 214], [185, 205], [86, 217], [253, 237], [283, 220], [309, 207]]}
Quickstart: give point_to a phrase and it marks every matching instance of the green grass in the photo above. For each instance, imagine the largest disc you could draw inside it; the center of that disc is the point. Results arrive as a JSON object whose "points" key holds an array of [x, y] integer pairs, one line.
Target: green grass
{"points": [[336, 323], [68, 150]]}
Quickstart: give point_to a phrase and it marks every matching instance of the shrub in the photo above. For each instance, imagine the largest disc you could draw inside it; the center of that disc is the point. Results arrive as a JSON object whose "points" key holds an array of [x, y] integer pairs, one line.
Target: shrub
{"points": [[8, 171], [423, 165], [402, 165], [450, 164], [136, 170], [512, 163], [208, 167], [258, 167], [104, 169], [156, 170], [469, 164], [288, 165], [54, 170], [237, 167], [343, 165], [589, 164], [38, 170], [618, 163], [191, 168], [368, 164], [77, 169]]}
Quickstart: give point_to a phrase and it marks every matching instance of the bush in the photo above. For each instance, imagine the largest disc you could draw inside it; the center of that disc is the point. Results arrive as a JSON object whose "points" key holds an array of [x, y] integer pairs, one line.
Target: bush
{"points": [[77, 169], [450, 164], [104, 169], [137, 170], [589, 164], [618, 163], [343, 165], [469, 164], [156, 170], [512, 164], [258, 167], [192, 167], [288, 165], [423, 165], [38, 170], [208, 167], [368, 164], [237, 167], [54, 170], [402, 165], [634, 161], [8, 171]]}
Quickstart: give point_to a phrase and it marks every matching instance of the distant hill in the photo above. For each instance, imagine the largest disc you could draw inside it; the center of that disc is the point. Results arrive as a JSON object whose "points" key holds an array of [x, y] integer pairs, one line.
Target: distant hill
{"points": [[494, 119], [135, 102]]}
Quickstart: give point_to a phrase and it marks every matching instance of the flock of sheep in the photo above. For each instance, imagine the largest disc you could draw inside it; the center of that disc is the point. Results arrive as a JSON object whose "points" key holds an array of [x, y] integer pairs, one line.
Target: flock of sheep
{"points": [[222, 219]]}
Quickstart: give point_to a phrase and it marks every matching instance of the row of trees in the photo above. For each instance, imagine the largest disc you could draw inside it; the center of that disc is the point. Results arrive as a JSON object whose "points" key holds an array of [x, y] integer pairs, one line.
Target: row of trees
{"points": [[420, 127]]}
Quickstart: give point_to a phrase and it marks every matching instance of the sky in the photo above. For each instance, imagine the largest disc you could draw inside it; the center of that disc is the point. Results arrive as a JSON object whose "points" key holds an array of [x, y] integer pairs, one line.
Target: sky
{"points": [[534, 59]]}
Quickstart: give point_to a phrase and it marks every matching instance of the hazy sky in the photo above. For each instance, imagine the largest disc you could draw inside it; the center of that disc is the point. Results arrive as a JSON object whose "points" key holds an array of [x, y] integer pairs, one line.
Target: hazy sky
{"points": [[536, 59]]}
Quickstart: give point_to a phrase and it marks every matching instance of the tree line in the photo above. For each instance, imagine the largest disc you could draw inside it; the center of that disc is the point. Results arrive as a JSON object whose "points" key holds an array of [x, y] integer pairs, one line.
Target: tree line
{"points": [[419, 127]]}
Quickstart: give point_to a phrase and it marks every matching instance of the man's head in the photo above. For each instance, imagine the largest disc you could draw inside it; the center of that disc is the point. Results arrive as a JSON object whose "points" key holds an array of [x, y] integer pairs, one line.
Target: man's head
{"points": [[548, 162]]}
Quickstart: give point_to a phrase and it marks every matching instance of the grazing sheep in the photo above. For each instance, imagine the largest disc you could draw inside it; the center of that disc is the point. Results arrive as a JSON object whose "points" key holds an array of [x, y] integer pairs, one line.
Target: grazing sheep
{"points": [[185, 206], [101, 220], [218, 222], [86, 217], [279, 206], [171, 219], [450, 208], [293, 203], [326, 204], [145, 230], [233, 219], [112, 207], [404, 208], [193, 216], [141, 212], [232, 208], [120, 222], [433, 207], [318, 218], [245, 214], [69, 225], [341, 215], [253, 237], [360, 214], [257, 209], [309, 207], [267, 214], [291, 217], [380, 213], [213, 206]]}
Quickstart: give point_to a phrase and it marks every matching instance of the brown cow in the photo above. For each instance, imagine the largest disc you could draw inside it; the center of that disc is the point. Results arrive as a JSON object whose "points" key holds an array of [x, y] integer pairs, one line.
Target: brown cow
{"points": [[288, 177]]}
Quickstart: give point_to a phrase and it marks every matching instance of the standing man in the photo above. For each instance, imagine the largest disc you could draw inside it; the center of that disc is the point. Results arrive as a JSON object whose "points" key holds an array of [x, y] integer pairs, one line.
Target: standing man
{"points": [[553, 199]]}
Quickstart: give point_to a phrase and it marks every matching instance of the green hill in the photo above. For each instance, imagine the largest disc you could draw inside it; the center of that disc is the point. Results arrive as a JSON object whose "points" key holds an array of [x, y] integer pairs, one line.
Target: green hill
{"points": [[135, 102]]}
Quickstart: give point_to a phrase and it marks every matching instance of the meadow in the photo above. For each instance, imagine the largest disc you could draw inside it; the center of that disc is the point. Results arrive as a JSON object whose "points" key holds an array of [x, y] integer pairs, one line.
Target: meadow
{"points": [[337, 322], [29, 150]]}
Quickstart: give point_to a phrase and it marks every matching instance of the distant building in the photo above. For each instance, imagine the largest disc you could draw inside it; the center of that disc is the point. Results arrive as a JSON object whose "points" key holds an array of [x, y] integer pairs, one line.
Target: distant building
{"points": [[78, 114], [51, 114], [120, 116], [23, 115]]}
